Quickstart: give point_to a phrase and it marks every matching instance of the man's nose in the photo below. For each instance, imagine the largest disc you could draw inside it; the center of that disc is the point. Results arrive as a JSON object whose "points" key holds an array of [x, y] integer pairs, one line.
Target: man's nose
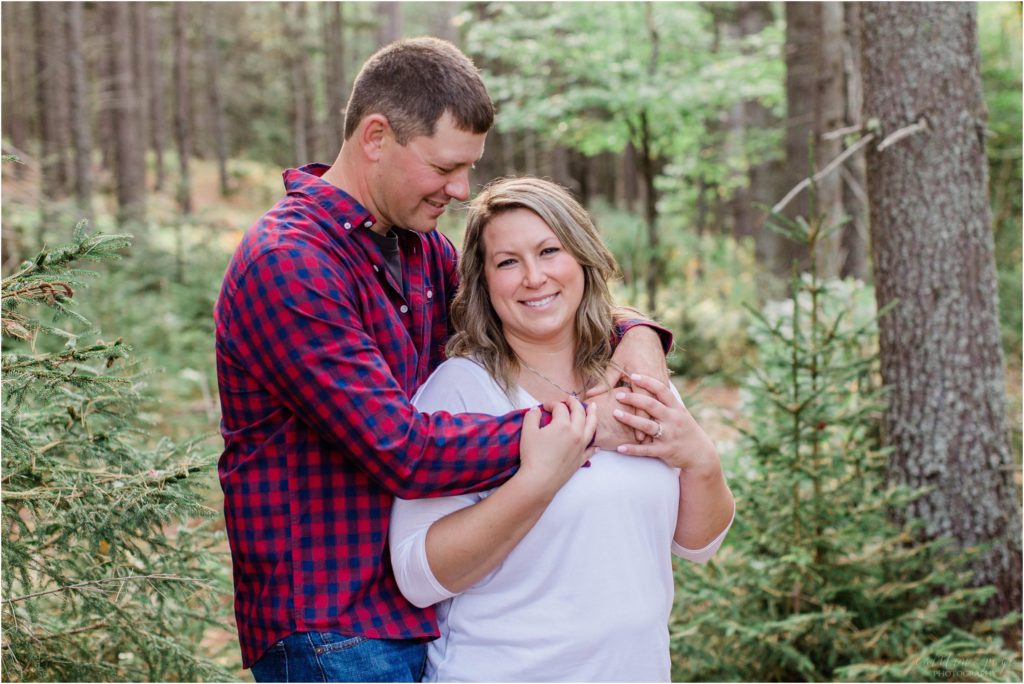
{"points": [[458, 186]]}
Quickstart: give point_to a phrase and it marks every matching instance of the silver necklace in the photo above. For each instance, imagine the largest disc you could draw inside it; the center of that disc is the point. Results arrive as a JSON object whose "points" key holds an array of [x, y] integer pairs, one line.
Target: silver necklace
{"points": [[545, 378]]}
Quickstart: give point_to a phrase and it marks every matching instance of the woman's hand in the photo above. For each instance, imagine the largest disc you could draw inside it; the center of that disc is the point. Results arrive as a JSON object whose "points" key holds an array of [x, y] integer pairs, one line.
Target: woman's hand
{"points": [[676, 438], [550, 455]]}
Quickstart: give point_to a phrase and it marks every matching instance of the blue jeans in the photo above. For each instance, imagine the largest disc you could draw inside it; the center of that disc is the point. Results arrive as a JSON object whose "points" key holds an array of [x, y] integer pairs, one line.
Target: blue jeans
{"points": [[333, 657]]}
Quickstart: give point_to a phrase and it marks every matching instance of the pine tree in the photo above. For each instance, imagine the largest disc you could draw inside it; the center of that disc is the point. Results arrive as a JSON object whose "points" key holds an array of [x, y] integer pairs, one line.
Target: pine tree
{"points": [[818, 581], [105, 575]]}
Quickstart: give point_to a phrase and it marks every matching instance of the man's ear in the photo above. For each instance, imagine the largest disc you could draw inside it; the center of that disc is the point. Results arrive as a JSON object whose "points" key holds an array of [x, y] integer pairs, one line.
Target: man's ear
{"points": [[371, 134]]}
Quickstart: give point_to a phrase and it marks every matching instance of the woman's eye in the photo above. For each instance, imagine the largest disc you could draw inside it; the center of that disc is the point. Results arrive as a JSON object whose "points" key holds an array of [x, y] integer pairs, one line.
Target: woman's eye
{"points": [[548, 250], [506, 263]]}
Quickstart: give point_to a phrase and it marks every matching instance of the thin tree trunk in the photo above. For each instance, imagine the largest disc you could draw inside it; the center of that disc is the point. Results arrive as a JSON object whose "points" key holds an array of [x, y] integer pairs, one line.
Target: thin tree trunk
{"points": [[15, 83], [211, 55], [182, 132], [389, 22], [932, 251], [335, 79], [157, 84], [131, 168], [81, 127], [59, 80], [301, 101], [47, 18], [854, 262], [142, 54]]}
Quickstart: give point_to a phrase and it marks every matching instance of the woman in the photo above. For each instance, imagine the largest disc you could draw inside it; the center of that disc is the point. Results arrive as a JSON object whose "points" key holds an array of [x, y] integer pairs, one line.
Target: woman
{"points": [[564, 572]]}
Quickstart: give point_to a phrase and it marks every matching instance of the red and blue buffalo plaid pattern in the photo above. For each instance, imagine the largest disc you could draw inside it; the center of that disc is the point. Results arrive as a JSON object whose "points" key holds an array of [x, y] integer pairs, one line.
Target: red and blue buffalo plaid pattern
{"points": [[318, 352]]}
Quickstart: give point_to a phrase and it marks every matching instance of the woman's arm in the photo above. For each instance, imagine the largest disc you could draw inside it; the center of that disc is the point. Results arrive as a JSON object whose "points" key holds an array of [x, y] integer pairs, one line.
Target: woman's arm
{"points": [[706, 505], [460, 548]]}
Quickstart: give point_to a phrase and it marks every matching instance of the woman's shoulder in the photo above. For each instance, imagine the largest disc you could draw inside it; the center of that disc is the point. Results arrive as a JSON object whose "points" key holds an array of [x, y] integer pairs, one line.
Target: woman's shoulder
{"points": [[461, 385]]}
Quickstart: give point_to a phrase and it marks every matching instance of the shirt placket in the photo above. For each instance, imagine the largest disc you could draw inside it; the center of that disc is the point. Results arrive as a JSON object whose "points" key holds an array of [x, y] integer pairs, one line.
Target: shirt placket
{"points": [[420, 296]]}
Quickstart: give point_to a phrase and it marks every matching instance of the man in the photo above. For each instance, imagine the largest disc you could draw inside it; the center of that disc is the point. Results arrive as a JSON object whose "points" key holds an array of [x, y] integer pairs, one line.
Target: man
{"points": [[332, 312]]}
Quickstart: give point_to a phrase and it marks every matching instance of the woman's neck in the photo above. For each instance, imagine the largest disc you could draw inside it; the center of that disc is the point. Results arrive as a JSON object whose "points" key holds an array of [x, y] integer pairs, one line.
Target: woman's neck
{"points": [[547, 370]]}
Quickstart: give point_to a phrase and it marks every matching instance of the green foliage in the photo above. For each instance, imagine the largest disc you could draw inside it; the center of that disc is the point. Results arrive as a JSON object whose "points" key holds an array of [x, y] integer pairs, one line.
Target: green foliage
{"points": [[708, 278], [106, 560], [999, 26], [818, 582]]}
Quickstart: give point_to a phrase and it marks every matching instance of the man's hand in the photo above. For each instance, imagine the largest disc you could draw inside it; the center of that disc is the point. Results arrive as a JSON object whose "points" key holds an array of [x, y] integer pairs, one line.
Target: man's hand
{"points": [[611, 432], [640, 351]]}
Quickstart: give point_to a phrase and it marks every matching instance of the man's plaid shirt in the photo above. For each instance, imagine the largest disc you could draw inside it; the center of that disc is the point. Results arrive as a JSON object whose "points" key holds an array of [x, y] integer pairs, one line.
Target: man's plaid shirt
{"points": [[318, 352]]}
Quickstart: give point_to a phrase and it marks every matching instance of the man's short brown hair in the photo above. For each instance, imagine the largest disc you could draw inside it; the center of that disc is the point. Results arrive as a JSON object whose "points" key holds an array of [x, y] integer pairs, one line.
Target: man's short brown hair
{"points": [[413, 83]]}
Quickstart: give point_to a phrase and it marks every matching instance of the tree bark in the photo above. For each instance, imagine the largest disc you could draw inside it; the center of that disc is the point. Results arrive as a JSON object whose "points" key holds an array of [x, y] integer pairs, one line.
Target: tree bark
{"points": [[815, 105], [15, 83], [211, 56], [301, 101], [131, 165], [389, 22], [182, 132], [932, 253], [50, 88], [142, 54], [762, 186], [854, 247], [335, 77], [81, 125], [157, 83]]}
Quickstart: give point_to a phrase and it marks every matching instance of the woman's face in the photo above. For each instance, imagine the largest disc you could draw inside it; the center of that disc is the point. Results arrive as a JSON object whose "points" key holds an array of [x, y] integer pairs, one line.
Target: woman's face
{"points": [[535, 284]]}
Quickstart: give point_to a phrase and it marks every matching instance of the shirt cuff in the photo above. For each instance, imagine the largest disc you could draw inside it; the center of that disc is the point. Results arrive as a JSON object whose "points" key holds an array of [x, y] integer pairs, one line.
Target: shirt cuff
{"points": [[663, 333], [704, 555], [431, 590]]}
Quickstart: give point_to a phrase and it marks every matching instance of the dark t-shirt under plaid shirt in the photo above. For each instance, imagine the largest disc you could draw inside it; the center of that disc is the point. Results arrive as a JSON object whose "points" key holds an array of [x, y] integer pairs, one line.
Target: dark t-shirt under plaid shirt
{"points": [[318, 351]]}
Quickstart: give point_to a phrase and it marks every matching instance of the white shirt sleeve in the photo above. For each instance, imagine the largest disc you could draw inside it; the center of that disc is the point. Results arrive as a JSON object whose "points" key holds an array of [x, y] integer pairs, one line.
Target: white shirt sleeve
{"points": [[704, 555], [457, 386]]}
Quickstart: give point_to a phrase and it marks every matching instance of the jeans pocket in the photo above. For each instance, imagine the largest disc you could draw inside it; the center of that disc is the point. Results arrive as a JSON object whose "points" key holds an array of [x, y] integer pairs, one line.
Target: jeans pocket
{"points": [[329, 642]]}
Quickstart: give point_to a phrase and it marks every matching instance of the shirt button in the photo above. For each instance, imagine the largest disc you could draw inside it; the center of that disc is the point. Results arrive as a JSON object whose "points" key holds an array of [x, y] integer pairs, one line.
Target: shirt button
{"points": [[348, 225], [375, 269], [404, 309], [430, 294], [368, 224]]}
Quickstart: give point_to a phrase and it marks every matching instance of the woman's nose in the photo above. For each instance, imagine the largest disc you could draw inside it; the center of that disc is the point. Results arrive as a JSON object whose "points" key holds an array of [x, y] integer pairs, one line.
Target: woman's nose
{"points": [[534, 275]]}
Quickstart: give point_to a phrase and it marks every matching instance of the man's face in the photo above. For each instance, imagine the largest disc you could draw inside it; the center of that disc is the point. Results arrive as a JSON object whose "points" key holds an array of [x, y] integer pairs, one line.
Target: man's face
{"points": [[413, 183]]}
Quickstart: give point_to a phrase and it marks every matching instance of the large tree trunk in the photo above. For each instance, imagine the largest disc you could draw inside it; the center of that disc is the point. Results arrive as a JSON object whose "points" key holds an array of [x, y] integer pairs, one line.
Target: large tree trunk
{"points": [[81, 126], [815, 105], [131, 165], [211, 57], [932, 250], [182, 132]]}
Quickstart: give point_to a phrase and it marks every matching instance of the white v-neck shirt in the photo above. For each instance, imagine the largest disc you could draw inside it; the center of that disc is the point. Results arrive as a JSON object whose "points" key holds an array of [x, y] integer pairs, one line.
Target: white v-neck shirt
{"points": [[586, 594]]}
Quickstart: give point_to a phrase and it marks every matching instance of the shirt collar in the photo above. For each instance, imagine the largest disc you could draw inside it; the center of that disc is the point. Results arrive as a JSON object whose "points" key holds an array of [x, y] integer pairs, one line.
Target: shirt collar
{"points": [[343, 208]]}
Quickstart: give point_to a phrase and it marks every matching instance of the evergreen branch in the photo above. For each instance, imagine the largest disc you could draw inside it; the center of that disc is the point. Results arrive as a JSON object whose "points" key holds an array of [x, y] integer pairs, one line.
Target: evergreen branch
{"points": [[122, 580]]}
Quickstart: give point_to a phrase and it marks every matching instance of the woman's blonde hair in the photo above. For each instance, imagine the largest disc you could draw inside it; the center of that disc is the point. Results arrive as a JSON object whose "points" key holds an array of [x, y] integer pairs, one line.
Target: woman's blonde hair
{"points": [[478, 328]]}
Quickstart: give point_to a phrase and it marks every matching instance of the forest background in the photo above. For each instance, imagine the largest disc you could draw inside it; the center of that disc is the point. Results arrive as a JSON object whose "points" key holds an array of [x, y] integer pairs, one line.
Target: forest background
{"points": [[863, 550]]}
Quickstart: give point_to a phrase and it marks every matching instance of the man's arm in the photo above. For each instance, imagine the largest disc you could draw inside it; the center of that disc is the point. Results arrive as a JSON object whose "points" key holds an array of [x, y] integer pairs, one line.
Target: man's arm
{"points": [[642, 348], [298, 331]]}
